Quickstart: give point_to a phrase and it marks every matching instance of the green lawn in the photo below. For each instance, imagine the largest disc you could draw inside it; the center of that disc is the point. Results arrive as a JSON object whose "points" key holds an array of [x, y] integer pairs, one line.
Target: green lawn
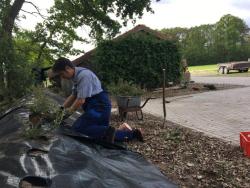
{"points": [[203, 70], [211, 70]]}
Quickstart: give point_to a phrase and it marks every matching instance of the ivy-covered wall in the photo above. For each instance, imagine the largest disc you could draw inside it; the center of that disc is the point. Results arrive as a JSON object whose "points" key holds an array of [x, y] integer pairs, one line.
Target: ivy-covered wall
{"points": [[138, 58]]}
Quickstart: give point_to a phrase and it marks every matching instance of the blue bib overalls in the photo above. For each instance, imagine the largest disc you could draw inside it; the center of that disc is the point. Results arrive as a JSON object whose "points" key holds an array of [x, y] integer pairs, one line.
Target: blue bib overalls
{"points": [[95, 119]]}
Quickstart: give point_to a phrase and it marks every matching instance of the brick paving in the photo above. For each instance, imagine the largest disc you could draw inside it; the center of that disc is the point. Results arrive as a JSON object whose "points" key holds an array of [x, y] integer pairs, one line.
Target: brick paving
{"points": [[223, 114]]}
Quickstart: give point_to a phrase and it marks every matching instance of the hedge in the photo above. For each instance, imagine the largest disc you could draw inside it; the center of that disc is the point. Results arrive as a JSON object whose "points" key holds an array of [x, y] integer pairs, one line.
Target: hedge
{"points": [[139, 59]]}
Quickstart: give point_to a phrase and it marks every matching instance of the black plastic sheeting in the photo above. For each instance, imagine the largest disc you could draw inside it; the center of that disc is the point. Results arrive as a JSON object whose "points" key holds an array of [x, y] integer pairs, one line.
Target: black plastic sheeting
{"points": [[68, 160]]}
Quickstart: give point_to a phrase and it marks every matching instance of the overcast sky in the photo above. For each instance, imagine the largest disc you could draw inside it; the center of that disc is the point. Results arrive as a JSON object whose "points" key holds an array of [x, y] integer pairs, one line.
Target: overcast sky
{"points": [[169, 13]]}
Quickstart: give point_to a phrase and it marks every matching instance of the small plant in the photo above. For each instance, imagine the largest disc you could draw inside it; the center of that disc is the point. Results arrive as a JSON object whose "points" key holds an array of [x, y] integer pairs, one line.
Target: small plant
{"points": [[174, 135], [41, 104], [58, 119], [33, 133], [124, 88], [42, 111]]}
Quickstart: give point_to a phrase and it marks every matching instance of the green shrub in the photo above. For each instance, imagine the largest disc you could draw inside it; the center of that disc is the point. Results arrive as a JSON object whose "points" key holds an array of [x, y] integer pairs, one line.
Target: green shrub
{"points": [[138, 59], [41, 104], [124, 88], [45, 115], [15, 71]]}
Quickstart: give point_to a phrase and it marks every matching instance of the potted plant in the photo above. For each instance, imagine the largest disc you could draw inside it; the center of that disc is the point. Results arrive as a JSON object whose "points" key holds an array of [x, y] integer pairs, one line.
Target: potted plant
{"points": [[126, 93]]}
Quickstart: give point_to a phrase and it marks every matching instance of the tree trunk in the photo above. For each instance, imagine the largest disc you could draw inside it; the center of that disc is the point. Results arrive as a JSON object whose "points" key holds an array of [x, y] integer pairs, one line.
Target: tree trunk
{"points": [[6, 36], [9, 20]]}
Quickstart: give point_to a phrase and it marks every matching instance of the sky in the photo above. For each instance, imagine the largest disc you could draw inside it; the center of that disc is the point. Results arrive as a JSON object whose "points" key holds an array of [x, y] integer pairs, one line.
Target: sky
{"points": [[168, 14]]}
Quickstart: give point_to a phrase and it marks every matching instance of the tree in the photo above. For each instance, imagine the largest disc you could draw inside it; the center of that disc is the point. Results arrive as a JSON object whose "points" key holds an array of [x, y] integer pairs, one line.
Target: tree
{"points": [[57, 32], [8, 14], [176, 34], [197, 44], [226, 40], [229, 38], [97, 15], [23, 44]]}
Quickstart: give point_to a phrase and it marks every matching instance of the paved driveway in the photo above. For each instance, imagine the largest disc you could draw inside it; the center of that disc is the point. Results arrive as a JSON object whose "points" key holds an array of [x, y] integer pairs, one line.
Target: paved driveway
{"points": [[223, 114], [223, 80]]}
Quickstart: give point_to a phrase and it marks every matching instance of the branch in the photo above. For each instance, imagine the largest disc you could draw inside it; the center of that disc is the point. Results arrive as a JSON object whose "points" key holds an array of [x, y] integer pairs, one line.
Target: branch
{"points": [[37, 9], [32, 13]]}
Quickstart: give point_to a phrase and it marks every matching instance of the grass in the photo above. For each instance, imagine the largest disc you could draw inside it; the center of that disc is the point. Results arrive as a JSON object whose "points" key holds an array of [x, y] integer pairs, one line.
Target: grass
{"points": [[203, 70], [211, 70]]}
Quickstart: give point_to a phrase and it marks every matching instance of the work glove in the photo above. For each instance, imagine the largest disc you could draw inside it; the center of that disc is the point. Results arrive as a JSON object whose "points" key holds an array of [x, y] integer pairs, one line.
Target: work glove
{"points": [[61, 107], [67, 112]]}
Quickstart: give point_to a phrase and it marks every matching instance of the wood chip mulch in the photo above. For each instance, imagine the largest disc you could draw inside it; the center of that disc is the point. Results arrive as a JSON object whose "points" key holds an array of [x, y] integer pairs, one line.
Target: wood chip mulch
{"points": [[189, 158]]}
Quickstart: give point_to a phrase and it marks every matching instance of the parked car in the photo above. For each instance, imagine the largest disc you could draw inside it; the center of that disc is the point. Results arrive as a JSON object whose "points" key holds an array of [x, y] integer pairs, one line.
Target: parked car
{"points": [[241, 66]]}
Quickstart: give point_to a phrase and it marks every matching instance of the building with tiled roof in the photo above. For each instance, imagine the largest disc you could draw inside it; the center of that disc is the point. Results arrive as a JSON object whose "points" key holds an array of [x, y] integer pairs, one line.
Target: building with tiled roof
{"points": [[84, 59]]}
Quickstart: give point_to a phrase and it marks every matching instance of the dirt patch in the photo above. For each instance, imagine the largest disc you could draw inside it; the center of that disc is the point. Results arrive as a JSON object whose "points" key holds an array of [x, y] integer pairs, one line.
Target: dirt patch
{"points": [[190, 158], [192, 88]]}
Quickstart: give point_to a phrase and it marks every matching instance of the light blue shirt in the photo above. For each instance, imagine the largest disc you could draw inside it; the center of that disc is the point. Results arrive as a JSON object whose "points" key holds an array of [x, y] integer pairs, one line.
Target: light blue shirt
{"points": [[85, 83]]}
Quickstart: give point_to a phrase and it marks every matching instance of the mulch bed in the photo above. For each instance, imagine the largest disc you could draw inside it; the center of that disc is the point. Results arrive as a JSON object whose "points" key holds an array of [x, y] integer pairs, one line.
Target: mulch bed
{"points": [[191, 88], [187, 157]]}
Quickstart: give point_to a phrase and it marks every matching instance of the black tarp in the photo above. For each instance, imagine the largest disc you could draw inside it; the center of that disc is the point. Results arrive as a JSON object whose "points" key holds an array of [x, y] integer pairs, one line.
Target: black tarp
{"points": [[70, 161]]}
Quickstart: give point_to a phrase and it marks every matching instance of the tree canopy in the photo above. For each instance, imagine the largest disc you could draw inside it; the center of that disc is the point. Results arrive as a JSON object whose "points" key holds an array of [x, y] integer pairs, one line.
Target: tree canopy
{"points": [[226, 40], [55, 35]]}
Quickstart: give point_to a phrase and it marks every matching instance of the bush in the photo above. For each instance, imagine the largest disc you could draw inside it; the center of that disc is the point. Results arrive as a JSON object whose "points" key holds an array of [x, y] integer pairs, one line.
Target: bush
{"points": [[15, 71], [124, 88], [41, 104], [44, 115], [138, 59]]}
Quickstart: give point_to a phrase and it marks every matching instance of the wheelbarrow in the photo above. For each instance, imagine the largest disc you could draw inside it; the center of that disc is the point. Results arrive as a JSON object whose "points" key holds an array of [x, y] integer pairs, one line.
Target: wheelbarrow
{"points": [[137, 109]]}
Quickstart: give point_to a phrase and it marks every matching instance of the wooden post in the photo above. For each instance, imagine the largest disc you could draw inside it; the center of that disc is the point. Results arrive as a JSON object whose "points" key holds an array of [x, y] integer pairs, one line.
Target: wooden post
{"points": [[163, 96]]}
